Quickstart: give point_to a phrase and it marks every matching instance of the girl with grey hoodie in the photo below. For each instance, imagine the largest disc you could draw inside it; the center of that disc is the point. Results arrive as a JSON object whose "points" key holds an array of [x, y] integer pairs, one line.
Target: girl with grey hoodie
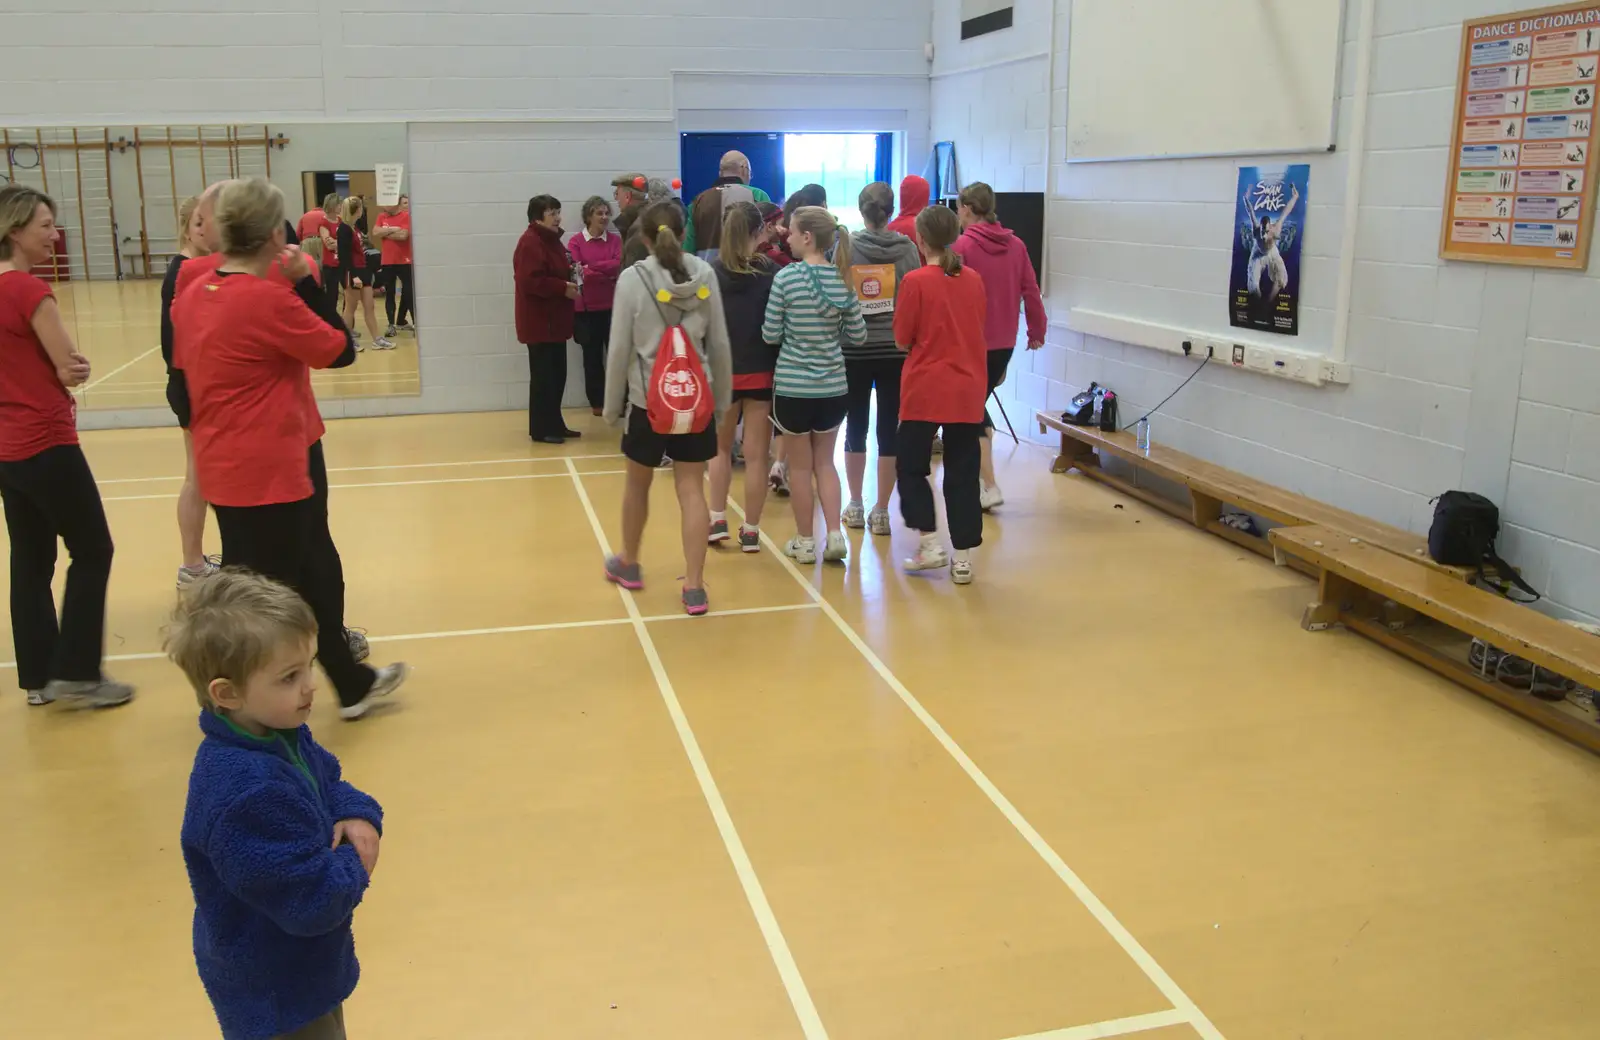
{"points": [[668, 287], [880, 259]]}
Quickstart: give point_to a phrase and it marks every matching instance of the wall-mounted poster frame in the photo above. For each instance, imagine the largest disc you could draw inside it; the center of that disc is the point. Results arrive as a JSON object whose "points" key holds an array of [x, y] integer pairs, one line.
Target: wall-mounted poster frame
{"points": [[1522, 170]]}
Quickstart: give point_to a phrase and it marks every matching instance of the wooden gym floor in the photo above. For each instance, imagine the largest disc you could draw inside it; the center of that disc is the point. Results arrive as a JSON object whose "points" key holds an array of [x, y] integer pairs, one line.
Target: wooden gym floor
{"points": [[1110, 789], [117, 325]]}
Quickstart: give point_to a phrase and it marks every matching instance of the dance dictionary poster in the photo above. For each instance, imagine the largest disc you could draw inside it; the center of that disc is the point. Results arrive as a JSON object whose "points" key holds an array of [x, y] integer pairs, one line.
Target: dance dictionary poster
{"points": [[1521, 187], [1269, 226]]}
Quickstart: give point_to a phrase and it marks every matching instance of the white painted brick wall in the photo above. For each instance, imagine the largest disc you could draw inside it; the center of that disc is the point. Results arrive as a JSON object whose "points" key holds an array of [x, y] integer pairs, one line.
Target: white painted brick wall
{"points": [[1464, 374]]}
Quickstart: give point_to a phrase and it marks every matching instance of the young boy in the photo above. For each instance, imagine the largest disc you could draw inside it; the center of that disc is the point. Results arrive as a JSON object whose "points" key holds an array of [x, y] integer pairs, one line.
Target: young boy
{"points": [[278, 847]]}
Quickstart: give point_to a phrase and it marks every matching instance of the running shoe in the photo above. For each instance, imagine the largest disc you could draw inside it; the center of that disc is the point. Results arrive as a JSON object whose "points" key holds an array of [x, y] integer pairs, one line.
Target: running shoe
{"points": [[102, 694], [382, 344], [929, 558], [695, 602], [878, 521], [629, 575], [836, 549], [801, 550], [360, 649], [392, 333], [209, 565], [990, 497], [961, 572], [778, 479], [719, 532], [389, 679], [39, 698], [749, 539], [855, 516]]}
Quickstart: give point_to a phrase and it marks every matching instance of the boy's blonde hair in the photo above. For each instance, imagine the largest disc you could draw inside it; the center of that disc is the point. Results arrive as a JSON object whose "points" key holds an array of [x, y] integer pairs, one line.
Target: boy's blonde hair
{"points": [[248, 213], [229, 625]]}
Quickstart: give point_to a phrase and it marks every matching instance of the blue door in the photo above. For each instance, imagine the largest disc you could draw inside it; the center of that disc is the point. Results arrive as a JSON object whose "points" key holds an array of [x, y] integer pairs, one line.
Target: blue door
{"points": [[700, 153]]}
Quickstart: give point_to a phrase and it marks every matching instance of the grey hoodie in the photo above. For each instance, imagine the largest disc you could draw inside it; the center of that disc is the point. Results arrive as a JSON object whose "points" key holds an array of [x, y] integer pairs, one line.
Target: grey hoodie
{"points": [[638, 321], [881, 247]]}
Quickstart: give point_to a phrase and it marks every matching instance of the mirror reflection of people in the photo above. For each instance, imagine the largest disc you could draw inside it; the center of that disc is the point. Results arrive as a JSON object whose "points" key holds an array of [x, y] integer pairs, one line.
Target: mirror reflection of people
{"points": [[597, 254], [545, 296], [1011, 287], [323, 224], [393, 235], [45, 481], [357, 275]]}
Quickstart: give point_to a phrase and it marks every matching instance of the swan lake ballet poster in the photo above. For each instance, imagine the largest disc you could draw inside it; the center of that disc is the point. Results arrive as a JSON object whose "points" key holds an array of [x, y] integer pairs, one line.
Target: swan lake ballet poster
{"points": [[1269, 226]]}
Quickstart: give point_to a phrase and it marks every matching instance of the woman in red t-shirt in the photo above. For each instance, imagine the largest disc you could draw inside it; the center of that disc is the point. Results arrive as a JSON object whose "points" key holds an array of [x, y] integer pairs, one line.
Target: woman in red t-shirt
{"points": [[352, 249], [245, 343], [393, 233], [45, 481], [938, 319]]}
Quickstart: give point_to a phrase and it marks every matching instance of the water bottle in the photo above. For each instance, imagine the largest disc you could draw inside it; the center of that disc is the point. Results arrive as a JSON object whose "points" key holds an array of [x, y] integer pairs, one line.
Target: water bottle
{"points": [[1141, 435]]}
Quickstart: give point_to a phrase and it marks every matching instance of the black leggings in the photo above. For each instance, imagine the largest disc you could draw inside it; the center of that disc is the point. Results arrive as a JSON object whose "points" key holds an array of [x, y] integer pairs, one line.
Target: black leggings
{"points": [[862, 376], [962, 456], [393, 274], [53, 495], [332, 278], [290, 542], [547, 382], [592, 330]]}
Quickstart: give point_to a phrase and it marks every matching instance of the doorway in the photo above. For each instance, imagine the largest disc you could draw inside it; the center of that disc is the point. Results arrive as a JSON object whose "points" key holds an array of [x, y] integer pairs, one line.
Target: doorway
{"points": [[780, 164]]}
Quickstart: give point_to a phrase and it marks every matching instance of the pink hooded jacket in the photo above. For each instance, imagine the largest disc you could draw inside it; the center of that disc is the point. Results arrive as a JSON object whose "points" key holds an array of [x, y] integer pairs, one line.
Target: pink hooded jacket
{"points": [[1001, 260], [914, 192]]}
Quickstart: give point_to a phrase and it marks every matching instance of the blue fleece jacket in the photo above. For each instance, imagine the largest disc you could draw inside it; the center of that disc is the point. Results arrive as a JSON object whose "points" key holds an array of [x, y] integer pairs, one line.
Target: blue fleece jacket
{"points": [[273, 899]]}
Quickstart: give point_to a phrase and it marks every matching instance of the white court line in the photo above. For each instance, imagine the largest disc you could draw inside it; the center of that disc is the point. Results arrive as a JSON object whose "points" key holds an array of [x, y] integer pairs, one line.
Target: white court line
{"points": [[777, 946], [556, 459], [390, 483], [552, 626], [1113, 1027], [121, 368], [1186, 1008]]}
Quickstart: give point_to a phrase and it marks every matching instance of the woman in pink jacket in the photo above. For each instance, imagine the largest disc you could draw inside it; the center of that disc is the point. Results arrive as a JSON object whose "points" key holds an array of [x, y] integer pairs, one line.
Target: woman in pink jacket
{"points": [[597, 256], [1002, 261]]}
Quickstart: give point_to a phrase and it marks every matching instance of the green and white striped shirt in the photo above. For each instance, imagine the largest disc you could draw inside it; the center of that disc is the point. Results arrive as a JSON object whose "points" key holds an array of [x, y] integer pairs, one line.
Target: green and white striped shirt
{"points": [[810, 315]]}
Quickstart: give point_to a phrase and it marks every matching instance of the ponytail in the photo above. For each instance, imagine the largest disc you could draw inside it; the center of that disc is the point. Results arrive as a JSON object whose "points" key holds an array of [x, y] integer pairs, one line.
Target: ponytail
{"points": [[739, 227], [841, 251], [662, 226], [937, 229]]}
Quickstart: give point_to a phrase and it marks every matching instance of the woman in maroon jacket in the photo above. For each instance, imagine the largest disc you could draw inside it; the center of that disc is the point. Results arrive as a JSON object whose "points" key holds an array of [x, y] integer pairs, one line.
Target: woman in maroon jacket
{"points": [[545, 295]]}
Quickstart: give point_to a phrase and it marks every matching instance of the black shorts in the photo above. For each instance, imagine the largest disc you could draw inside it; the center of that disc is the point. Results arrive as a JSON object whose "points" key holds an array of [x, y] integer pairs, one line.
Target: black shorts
{"points": [[645, 446], [760, 393], [999, 361], [178, 396], [351, 273], [798, 416]]}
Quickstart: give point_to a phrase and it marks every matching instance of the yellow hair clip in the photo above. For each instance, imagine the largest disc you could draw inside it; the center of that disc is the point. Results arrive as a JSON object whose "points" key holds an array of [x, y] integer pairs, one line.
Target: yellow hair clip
{"points": [[704, 292], [663, 227], [663, 296]]}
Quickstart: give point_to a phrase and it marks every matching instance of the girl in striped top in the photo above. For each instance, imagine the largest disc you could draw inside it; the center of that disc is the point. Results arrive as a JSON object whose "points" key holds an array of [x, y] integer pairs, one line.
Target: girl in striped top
{"points": [[811, 313]]}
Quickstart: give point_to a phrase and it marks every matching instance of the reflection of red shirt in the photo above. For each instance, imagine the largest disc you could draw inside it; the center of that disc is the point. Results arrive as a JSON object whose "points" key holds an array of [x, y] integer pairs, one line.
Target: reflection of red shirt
{"points": [[36, 411], [940, 318], [246, 346], [396, 251]]}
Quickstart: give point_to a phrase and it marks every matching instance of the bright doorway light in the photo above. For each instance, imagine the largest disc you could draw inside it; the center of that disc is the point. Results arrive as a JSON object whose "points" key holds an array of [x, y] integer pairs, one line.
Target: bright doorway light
{"points": [[842, 163]]}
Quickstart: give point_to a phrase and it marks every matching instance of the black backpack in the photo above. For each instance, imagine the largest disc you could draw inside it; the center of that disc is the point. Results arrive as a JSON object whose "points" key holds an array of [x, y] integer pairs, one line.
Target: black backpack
{"points": [[1464, 529]]}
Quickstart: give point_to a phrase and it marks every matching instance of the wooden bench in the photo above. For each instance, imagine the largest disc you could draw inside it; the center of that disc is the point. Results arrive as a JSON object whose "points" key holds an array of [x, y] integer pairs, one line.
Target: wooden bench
{"points": [[1431, 618], [1211, 487]]}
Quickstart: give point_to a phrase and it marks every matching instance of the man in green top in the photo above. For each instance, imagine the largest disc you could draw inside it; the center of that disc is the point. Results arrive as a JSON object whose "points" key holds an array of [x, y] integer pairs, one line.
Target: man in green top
{"points": [[704, 235]]}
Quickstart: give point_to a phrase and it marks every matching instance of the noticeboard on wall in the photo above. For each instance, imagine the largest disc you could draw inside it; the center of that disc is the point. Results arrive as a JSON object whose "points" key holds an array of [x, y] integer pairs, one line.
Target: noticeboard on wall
{"points": [[1522, 170]]}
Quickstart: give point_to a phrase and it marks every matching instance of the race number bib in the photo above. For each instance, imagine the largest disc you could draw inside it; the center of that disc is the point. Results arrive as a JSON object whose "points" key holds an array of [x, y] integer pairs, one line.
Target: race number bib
{"points": [[875, 286]]}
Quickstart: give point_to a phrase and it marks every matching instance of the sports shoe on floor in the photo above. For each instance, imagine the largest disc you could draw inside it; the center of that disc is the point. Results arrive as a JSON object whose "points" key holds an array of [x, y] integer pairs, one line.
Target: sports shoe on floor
{"points": [[855, 516], [801, 550], [392, 333], [570, 434], [961, 572], [778, 479], [360, 649], [991, 498], [749, 539], [209, 565], [406, 326], [382, 343], [695, 602], [719, 532], [390, 678], [102, 694], [39, 698], [836, 549], [929, 558], [629, 575], [878, 521]]}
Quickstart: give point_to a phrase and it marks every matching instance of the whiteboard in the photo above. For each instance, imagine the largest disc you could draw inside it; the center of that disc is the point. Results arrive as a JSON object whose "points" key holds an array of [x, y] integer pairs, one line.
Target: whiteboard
{"points": [[1171, 78]]}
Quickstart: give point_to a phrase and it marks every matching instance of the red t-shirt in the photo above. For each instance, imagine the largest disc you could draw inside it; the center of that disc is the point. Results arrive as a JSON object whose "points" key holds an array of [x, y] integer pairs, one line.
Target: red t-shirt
{"points": [[396, 251], [36, 411], [312, 224], [246, 346], [940, 318]]}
